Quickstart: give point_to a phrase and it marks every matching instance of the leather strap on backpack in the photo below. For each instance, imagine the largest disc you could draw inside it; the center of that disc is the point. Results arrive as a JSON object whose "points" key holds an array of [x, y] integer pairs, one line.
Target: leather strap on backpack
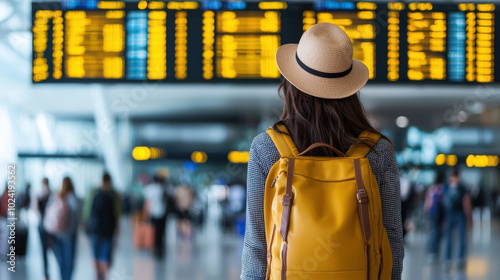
{"points": [[363, 201], [285, 215], [361, 149], [283, 142], [286, 148]]}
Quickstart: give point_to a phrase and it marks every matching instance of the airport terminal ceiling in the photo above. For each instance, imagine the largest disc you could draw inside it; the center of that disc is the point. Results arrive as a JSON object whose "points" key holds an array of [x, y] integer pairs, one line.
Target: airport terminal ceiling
{"points": [[224, 96]]}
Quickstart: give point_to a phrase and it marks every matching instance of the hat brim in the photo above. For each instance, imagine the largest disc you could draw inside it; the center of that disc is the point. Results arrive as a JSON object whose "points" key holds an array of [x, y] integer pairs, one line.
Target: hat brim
{"points": [[329, 88]]}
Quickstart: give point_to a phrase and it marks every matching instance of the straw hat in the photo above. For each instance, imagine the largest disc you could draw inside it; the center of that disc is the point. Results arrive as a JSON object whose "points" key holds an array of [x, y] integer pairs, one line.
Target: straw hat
{"points": [[321, 64]]}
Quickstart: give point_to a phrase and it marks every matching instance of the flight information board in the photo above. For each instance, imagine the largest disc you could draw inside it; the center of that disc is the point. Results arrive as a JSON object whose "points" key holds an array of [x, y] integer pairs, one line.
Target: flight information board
{"points": [[236, 41]]}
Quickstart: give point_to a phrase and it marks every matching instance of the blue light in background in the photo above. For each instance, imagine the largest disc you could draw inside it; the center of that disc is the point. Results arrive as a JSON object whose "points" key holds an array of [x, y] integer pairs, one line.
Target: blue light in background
{"points": [[190, 166], [91, 4], [333, 5], [212, 5], [68, 4], [79, 4], [456, 47], [238, 5], [137, 42]]}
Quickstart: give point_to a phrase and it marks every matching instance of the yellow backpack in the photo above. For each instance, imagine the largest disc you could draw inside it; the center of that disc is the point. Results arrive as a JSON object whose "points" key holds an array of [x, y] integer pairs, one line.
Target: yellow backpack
{"points": [[323, 215]]}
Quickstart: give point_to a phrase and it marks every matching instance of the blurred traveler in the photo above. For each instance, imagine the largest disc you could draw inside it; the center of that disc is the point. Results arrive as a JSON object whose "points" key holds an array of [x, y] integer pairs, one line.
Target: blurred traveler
{"points": [[26, 197], [155, 210], [458, 211], [23, 203], [478, 197], [144, 231], [407, 200], [320, 91], [138, 196], [4, 202], [61, 222], [4, 233], [236, 198], [496, 202], [102, 218], [434, 209], [184, 198], [41, 205], [235, 205], [197, 210]]}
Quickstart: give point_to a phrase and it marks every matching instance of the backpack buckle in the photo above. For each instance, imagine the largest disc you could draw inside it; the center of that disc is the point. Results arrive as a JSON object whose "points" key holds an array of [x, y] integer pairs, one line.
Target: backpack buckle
{"points": [[362, 197], [287, 199]]}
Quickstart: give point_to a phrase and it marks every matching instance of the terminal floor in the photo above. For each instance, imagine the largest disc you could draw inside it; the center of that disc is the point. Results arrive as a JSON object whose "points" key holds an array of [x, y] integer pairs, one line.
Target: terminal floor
{"points": [[217, 256]]}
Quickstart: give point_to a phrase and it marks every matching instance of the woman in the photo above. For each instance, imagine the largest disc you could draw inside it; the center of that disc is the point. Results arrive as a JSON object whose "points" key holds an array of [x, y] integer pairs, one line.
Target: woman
{"points": [[64, 241], [320, 90]]}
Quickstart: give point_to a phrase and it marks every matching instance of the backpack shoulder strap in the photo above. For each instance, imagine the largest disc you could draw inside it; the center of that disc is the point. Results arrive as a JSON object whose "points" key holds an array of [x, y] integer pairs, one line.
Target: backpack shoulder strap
{"points": [[360, 149], [283, 142]]}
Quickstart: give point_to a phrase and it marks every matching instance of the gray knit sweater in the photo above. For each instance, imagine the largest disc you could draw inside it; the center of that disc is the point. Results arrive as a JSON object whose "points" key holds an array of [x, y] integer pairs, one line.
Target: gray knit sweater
{"points": [[263, 154]]}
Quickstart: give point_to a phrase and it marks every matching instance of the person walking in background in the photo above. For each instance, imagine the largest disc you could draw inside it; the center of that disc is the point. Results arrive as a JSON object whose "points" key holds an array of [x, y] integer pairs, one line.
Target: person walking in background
{"points": [[103, 210], [407, 197], [434, 209], [458, 213], [234, 206], [155, 210], [26, 197], [41, 204], [4, 202], [61, 222], [478, 197], [184, 197]]}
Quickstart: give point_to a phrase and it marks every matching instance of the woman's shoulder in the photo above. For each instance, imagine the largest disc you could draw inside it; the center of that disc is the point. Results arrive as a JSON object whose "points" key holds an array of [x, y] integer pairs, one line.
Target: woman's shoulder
{"points": [[382, 155], [262, 141], [264, 150], [383, 146]]}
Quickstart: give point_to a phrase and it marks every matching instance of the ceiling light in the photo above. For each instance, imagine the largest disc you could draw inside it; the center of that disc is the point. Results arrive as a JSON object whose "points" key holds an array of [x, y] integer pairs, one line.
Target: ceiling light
{"points": [[402, 121]]}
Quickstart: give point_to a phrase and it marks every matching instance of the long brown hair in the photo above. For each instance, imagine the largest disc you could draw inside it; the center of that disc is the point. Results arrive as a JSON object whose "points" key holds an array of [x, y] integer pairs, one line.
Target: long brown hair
{"points": [[66, 188], [310, 120]]}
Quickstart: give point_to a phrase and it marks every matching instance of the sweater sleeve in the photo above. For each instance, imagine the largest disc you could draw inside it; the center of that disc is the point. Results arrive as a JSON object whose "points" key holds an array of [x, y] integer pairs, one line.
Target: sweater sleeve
{"points": [[387, 174], [263, 154], [254, 257]]}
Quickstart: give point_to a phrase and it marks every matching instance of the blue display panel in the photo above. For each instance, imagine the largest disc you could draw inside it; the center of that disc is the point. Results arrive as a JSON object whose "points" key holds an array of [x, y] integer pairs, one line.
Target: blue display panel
{"points": [[235, 41], [137, 45], [456, 47]]}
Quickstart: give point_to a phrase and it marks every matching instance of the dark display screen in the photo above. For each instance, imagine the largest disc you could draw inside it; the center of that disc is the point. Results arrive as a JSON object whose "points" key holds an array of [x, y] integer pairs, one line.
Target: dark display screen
{"points": [[214, 41]]}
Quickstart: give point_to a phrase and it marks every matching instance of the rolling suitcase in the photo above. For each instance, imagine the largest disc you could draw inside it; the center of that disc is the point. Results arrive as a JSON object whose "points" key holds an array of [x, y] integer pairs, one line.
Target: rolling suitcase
{"points": [[144, 236]]}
